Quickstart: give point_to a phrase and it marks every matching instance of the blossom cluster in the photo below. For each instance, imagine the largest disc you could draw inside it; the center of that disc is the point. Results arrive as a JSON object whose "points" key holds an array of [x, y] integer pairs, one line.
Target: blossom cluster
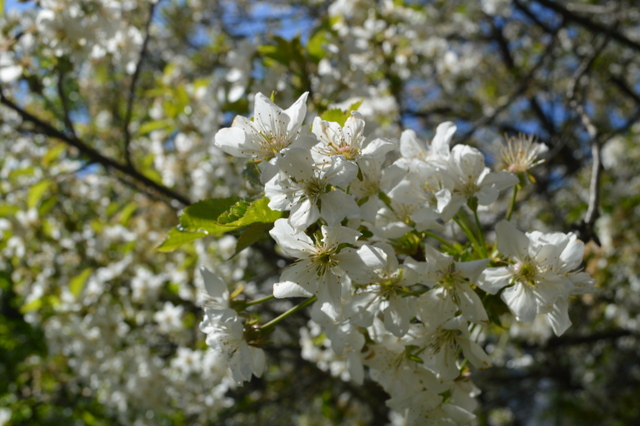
{"points": [[373, 227]]}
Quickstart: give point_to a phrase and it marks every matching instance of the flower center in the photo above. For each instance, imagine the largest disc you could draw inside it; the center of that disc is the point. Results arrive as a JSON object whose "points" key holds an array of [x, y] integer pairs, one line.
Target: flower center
{"points": [[314, 188], [526, 273]]}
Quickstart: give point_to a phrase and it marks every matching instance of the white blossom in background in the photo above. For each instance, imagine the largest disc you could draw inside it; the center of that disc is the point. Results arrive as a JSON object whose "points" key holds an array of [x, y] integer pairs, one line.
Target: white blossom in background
{"points": [[169, 319]]}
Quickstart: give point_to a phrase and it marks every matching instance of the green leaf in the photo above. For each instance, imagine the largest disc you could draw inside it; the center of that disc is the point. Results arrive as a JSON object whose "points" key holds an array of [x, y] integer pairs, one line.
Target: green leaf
{"points": [[354, 107], [336, 115], [217, 216], [26, 171], [126, 213], [77, 283], [177, 238], [8, 210], [47, 205], [259, 212], [150, 126], [36, 192], [203, 215], [250, 235], [316, 46], [339, 116], [34, 305], [53, 153], [235, 212]]}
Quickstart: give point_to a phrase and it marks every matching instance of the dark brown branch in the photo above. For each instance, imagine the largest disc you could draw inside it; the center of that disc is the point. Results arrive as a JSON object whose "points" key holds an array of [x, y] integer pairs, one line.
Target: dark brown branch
{"points": [[132, 88], [590, 25], [568, 340], [532, 16], [624, 88], [92, 153]]}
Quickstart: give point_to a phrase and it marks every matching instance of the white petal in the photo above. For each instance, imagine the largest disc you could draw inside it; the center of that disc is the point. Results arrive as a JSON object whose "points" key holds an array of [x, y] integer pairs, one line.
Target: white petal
{"points": [[356, 369], [214, 284], [471, 305], [258, 361], [521, 301], [270, 116], [559, 317], [475, 354], [458, 414], [341, 172], [442, 139], [398, 314], [297, 112], [373, 257], [572, 254], [511, 241], [336, 205], [302, 273], [233, 140], [435, 309], [298, 163], [303, 214], [329, 293], [499, 181], [377, 148], [472, 270], [10, 73], [294, 244], [410, 146], [285, 289], [493, 279]]}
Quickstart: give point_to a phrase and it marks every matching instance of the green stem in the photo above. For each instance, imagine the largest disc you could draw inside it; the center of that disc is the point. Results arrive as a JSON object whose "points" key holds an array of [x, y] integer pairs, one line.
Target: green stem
{"points": [[480, 234], [289, 312], [258, 301], [439, 238], [460, 219], [513, 202]]}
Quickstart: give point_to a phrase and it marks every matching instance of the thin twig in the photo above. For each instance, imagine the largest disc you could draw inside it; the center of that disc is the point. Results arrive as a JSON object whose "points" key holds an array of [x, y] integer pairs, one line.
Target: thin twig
{"points": [[524, 85], [590, 25], [132, 88], [65, 104], [587, 226]]}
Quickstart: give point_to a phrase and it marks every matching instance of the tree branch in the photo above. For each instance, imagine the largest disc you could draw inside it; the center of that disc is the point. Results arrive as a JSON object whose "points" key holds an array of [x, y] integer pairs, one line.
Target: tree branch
{"points": [[586, 228], [91, 153]]}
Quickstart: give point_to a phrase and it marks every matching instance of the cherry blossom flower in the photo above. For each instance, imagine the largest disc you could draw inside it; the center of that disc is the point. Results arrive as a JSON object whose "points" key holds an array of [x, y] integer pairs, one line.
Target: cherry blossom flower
{"points": [[312, 192], [226, 336], [452, 281], [271, 131], [543, 271], [348, 141], [323, 266]]}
